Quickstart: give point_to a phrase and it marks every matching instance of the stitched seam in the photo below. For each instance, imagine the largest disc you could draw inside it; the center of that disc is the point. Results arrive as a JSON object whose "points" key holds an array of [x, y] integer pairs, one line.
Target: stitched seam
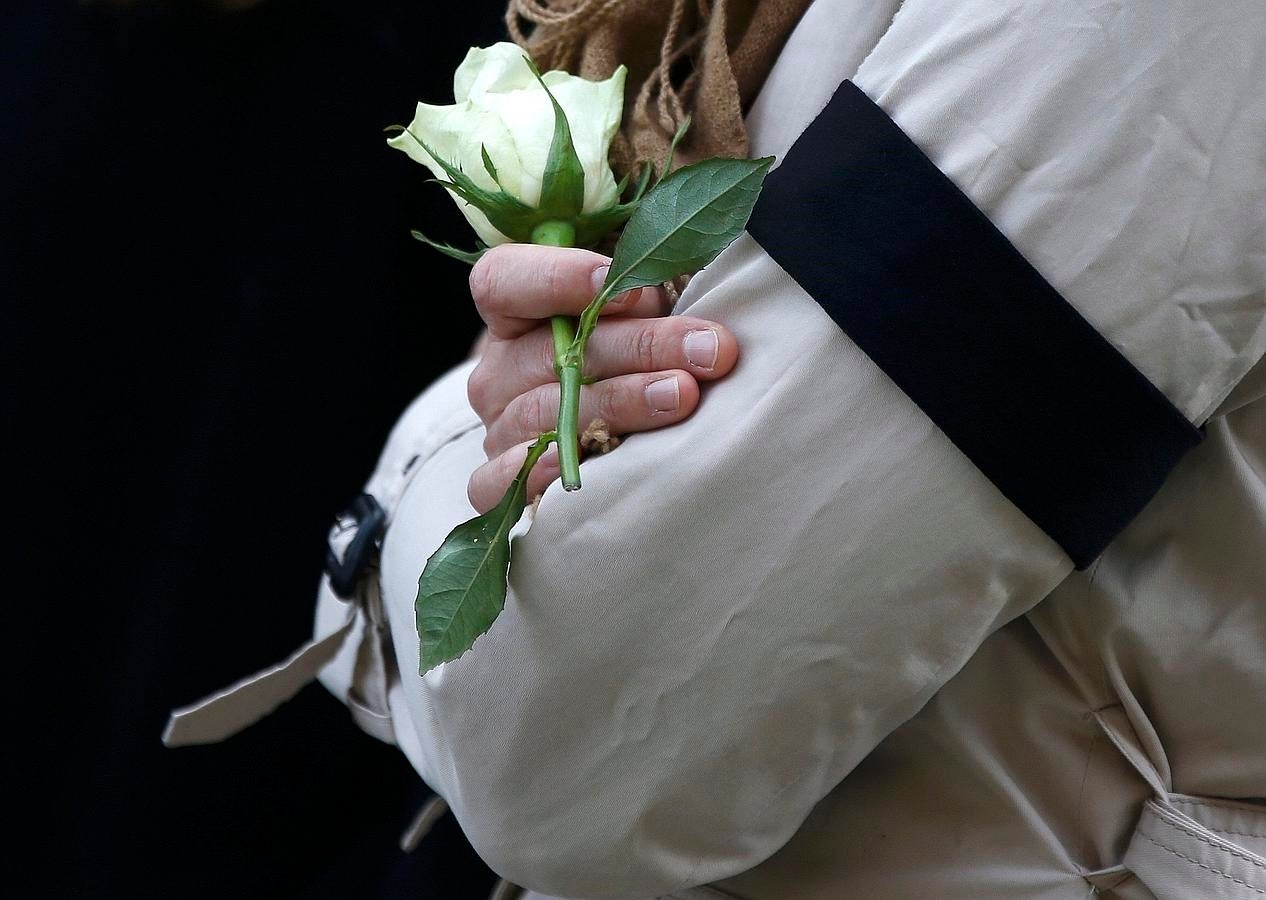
{"points": [[399, 483], [1238, 854], [1194, 862], [451, 428], [1107, 695], [1223, 807], [1087, 846], [1186, 801]]}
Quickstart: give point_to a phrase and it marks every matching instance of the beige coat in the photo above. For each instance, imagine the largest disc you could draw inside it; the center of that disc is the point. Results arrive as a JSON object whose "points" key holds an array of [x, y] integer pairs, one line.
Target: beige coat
{"points": [[745, 657]]}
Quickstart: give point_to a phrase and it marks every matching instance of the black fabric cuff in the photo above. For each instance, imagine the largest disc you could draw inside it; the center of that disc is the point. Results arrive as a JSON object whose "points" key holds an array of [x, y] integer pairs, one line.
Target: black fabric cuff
{"points": [[930, 290]]}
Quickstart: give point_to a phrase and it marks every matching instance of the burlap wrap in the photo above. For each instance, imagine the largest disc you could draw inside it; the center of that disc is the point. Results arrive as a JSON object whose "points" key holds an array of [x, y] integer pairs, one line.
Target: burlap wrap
{"points": [[702, 58]]}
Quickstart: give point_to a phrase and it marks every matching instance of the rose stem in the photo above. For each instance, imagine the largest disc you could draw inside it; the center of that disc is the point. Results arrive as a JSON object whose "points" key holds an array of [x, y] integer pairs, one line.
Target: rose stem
{"points": [[563, 234]]}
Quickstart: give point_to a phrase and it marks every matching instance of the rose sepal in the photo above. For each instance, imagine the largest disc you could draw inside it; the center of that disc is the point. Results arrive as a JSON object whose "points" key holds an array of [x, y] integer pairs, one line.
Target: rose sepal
{"points": [[563, 181], [507, 213], [470, 257]]}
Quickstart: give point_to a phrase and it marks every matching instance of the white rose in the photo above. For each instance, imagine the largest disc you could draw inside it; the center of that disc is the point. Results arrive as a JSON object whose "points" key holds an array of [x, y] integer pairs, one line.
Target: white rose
{"points": [[502, 108]]}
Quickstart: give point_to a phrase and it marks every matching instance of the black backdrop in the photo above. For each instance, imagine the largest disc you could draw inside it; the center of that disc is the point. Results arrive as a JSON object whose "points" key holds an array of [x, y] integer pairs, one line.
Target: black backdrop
{"points": [[213, 315]]}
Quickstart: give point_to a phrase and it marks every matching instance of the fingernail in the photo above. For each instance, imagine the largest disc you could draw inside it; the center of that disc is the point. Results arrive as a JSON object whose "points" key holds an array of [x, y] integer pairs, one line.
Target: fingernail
{"points": [[599, 276], [701, 348], [664, 395], [628, 298]]}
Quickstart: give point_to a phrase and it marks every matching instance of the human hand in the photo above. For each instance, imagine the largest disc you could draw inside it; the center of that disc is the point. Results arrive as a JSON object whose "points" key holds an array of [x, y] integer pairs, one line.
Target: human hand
{"points": [[647, 364]]}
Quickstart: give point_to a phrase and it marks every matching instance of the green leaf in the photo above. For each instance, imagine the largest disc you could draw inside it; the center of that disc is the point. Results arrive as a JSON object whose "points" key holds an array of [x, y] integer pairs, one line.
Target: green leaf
{"points": [[462, 589], [685, 221], [563, 182], [467, 256]]}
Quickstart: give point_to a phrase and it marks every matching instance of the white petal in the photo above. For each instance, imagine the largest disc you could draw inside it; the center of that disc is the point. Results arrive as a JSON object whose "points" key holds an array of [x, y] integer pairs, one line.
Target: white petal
{"points": [[478, 221], [456, 133], [593, 111], [498, 68], [528, 117]]}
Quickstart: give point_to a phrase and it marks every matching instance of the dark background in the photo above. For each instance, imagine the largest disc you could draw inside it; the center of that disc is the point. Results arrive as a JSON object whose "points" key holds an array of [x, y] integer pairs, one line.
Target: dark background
{"points": [[214, 314]]}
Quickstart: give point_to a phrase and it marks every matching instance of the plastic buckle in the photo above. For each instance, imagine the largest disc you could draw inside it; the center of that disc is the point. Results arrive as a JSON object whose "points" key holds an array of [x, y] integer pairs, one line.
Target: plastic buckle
{"points": [[369, 520]]}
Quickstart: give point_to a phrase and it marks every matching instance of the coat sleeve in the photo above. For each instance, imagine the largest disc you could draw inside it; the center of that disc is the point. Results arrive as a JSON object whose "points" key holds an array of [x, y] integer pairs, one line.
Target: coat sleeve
{"points": [[734, 611]]}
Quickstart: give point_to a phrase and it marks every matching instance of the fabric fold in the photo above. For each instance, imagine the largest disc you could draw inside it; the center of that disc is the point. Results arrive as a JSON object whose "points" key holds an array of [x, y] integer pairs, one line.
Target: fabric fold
{"points": [[226, 712]]}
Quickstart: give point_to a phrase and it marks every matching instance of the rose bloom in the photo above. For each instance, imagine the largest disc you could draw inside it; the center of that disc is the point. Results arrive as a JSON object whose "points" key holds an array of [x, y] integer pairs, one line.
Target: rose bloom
{"points": [[502, 108]]}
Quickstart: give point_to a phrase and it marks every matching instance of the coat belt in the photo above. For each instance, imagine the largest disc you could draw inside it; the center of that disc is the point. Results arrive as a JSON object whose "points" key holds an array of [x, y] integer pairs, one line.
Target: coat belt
{"points": [[226, 712]]}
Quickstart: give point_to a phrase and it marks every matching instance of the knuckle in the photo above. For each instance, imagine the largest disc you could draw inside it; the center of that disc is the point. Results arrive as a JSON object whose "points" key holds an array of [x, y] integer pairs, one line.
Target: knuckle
{"points": [[645, 346], [610, 402], [545, 351], [531, 411], [554, 281]]}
